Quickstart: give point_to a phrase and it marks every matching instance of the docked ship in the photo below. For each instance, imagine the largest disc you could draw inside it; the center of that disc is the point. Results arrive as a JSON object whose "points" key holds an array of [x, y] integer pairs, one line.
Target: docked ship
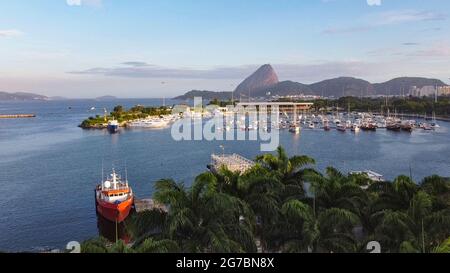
{"points": [[114, 198], [113, 126]]}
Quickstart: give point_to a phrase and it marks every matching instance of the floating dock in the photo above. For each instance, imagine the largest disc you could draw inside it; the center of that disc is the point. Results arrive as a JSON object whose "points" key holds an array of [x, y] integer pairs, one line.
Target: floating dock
{"points": [[18, 116]]}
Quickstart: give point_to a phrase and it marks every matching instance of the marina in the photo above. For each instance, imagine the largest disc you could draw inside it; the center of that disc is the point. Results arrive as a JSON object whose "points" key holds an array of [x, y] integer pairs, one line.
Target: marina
{"points": [[292, 116]]}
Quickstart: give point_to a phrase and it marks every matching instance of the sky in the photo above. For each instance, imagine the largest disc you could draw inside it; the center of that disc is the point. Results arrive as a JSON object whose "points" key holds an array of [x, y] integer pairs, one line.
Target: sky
{"points": [[163, 48]]}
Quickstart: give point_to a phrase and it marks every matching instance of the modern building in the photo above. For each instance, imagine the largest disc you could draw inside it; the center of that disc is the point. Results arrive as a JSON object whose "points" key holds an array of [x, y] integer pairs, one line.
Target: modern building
{"points": [[425, 91], [444, 90]]}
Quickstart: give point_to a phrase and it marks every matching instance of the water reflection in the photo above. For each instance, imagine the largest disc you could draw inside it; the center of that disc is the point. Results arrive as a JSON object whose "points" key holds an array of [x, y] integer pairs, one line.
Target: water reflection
{"points": [[111, 231]]}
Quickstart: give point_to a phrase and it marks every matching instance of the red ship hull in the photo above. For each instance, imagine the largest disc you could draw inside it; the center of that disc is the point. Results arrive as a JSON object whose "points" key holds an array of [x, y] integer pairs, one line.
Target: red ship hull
{"points": [[115, 212]]}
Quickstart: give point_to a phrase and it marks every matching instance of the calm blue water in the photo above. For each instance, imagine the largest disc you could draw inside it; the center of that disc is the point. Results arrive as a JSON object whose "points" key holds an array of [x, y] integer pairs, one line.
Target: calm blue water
{"points": [[49, 167]]}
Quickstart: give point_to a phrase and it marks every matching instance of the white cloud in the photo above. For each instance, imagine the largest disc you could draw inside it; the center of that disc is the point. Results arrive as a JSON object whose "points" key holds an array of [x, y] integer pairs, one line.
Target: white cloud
{"points": [[74, 2], [374, 2], [95, 3], [408, 16], [10, 33], [387, 18]]}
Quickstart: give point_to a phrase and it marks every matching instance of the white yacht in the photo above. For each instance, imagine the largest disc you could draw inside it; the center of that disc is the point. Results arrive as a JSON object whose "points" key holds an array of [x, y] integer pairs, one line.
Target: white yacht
{"points": [[149, 123]]}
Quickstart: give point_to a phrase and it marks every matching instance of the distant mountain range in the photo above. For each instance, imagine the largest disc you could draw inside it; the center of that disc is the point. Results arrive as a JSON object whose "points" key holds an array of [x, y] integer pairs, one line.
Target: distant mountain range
{"points": [[21, 96], [106, 98], [264, 83]]}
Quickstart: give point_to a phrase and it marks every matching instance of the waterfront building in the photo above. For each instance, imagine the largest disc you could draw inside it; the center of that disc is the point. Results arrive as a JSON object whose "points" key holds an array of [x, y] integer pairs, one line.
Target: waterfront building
{"points": [[425, 91], [283, 106], [444, 90]]}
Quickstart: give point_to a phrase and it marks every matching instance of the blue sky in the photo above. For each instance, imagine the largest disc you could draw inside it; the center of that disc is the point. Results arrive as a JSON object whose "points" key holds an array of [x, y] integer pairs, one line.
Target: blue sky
{"points": [[87, 48]]}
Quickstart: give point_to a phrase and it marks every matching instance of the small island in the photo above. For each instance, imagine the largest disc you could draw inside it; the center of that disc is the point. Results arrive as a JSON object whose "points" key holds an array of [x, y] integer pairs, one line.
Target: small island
{"points": [[123, 116]]}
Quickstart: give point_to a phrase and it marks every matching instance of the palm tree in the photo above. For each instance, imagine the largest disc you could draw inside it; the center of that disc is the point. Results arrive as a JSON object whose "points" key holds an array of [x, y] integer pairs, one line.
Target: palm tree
{"points": [[444, 247], [151, 245], [336, 190], [97, 245], [149, 223], [439, 189], [336, 231], [396, 195], [299, 230], [201, 219], [415, 229], [289, 171]]}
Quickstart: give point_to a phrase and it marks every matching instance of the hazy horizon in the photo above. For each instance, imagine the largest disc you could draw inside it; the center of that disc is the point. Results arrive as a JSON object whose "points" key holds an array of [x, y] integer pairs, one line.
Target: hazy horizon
{"points": [[155, 49]]}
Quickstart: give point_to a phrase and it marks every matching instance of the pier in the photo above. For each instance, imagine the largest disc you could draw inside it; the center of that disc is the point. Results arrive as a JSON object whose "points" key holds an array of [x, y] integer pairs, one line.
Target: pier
{"points": [[234, 163], [10, 116]]}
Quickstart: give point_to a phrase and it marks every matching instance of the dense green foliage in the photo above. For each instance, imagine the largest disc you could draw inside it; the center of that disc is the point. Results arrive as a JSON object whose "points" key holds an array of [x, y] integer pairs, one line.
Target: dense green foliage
{"points": [[121, 114], [267, 209], [221, 103], [407, 105]]}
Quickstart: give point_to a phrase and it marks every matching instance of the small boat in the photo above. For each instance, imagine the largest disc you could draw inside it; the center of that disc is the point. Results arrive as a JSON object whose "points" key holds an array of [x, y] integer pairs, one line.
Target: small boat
{"points": [[368, 127], [341, 128], [407, 127], [348, 124], [355, 128], [311, 125], [393, 127], [113, 126], [114, 198], [382, 125], [373, 176], [435, 125], [427, 127], [295, 129]]}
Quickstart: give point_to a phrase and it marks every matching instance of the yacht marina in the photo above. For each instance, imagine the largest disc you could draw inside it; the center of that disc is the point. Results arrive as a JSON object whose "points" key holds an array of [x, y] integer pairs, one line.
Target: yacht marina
{"points": [[342, 122]]}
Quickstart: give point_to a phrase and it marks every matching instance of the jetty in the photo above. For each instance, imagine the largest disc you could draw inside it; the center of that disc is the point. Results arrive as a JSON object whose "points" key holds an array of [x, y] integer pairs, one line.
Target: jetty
{"points": [[10, 116]]}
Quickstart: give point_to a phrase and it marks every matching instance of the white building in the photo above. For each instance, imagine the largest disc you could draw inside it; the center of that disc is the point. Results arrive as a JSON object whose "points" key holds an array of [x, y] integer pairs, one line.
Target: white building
{"points": [[425, 91]]}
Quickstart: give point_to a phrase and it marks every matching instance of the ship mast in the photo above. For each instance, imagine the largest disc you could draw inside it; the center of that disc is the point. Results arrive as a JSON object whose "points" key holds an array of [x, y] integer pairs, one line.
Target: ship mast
{"points": [[102, 177]]}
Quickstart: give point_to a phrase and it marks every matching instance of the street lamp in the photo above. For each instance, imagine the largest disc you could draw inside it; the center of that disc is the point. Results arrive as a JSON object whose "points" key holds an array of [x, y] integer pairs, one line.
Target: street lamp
{"points": [[223, 150]]}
